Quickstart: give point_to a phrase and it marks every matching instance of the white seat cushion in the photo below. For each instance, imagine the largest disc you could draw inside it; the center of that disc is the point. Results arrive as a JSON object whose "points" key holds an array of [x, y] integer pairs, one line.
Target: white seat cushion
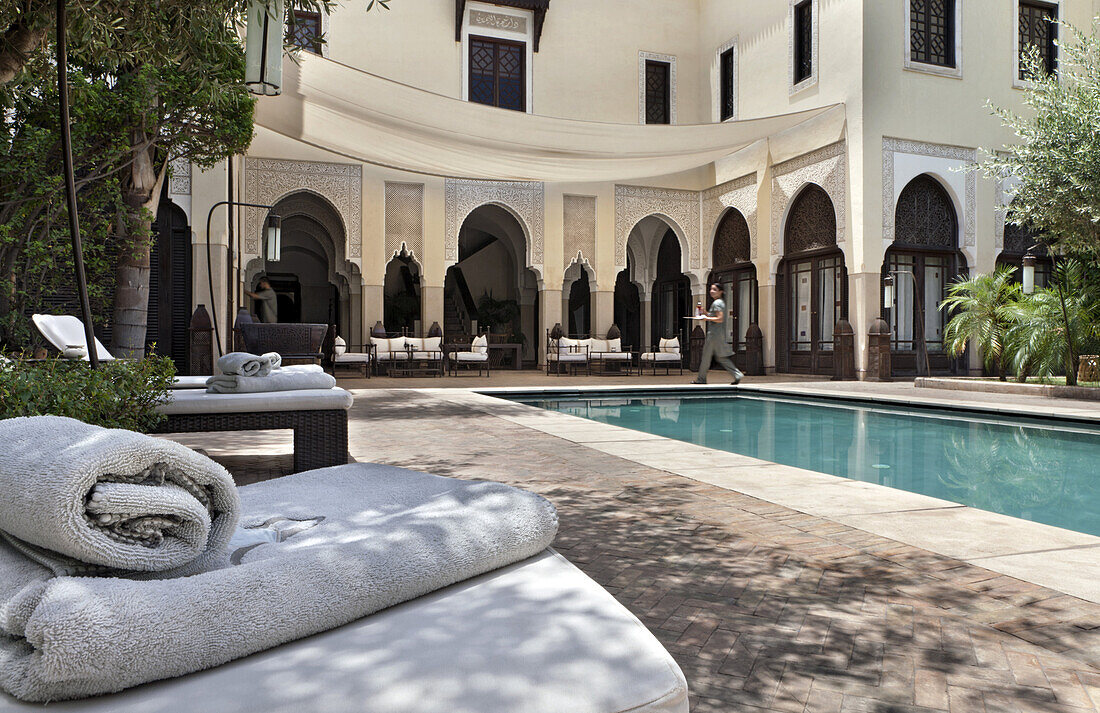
{"points": [[426, 356], [192, 401], [568, 357], [471, 356], [660, 356], [189, 382], [61, 330], [538, 636], [353, 358], [611, 356], [598, 345]]}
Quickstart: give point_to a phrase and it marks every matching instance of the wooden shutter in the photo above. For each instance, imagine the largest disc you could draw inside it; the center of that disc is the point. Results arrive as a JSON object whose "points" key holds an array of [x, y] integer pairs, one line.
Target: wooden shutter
{"points": [[782, 329]]}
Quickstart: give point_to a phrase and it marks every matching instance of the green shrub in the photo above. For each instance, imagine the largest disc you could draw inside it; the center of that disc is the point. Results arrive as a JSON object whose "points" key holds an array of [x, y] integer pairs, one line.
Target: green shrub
{"points": [[120, 394]]}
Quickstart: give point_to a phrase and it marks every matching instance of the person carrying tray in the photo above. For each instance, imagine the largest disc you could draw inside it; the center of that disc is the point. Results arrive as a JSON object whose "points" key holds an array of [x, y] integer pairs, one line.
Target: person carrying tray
{"points": [[716, 347]]}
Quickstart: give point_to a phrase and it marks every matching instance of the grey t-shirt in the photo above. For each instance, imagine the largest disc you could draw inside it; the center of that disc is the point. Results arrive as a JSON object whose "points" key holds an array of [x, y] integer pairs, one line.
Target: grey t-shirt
{"points": [[716, 330], [267, 305]]}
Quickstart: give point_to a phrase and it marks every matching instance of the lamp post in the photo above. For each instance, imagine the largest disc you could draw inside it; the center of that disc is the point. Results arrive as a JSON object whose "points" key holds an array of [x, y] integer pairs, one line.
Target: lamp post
{"points": [[70, 185], [1028, 277], [272, 251], [888, 296]]}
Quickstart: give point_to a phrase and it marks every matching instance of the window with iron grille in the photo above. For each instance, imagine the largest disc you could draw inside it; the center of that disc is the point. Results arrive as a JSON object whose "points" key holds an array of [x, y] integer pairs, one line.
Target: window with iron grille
{"points": [[726, 79], [304, 30], [657, 92], [1037, 29], [932, 32], [803, 41], [498, 73]]}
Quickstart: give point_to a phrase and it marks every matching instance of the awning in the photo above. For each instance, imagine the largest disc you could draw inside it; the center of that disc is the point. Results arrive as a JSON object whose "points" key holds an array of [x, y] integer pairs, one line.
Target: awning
{"points": [[367, 118]]}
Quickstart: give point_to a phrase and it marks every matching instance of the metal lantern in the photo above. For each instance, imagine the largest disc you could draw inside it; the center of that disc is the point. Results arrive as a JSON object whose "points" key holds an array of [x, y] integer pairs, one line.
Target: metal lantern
{"points": [[274, 238], [1029, 274], [264, 47], [888, 292]]}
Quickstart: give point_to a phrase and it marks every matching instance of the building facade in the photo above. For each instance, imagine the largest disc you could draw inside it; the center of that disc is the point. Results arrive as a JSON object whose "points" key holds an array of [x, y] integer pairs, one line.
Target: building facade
{"points": [[599, 163]]}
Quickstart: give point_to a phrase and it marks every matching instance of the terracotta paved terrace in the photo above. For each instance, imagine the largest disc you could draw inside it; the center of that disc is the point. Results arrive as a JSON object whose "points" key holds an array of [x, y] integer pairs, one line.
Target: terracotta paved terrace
{"points": [[764, 607]]}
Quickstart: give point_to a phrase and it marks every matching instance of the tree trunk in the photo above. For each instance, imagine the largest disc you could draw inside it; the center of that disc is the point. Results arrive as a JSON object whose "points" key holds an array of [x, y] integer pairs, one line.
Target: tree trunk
{"points": [[18, 41], [140, 194]]}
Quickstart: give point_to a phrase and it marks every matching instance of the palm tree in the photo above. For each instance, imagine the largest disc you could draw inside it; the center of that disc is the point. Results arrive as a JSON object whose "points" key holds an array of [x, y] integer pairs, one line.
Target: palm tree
{"points": [[1057, 324], [984, 311]]}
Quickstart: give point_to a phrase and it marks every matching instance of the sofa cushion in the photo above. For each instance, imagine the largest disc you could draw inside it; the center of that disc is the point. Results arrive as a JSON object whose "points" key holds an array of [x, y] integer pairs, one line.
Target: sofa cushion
{"points": [[670, 345], [661, 356], [353, 358], [480, 345], [431, 344], [615, 345], [471, 356], [339, 346], [567, 346], [598, 345]]}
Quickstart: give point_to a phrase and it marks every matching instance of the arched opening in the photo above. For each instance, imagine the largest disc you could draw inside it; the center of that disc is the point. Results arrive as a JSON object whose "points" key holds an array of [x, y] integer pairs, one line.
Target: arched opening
{"points": [[169, 312], [671, 293], [1019, 241], [490, 289], [578, 302], [401, 296], [924, 260], [310, 278], [733, 269], [628, 307], [812, 286]]}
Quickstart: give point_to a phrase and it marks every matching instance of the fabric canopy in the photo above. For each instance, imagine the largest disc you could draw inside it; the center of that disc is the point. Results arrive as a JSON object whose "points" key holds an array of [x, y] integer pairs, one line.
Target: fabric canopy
{"points": [[378, 121]]}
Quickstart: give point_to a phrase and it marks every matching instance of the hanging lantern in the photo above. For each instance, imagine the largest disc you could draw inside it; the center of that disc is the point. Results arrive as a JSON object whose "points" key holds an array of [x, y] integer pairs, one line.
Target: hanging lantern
{"points": [[274, 238], [1029, 274], [888, 292], [263, 51]]}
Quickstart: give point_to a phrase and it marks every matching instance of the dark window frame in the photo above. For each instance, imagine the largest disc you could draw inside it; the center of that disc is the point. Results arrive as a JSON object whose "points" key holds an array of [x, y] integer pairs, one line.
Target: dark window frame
{"points": [[926, 26], [727, 88], [659, 112], [803, 41], [497, 43], [301, 19], [1048, 50]]}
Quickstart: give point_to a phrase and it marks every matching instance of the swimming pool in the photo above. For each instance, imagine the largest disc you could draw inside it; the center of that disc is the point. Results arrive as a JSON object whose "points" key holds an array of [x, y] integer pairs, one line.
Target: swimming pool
{"points": [[1041, 470]]}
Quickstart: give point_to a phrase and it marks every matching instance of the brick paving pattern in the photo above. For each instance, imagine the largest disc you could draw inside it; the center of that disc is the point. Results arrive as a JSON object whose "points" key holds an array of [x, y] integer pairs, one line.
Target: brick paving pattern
{"points": [[765, 608]]}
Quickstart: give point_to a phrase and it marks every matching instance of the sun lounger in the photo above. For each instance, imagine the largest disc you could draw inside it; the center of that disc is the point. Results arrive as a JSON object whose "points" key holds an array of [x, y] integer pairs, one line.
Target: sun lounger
{"points": [[536, 636], [318, 417]]}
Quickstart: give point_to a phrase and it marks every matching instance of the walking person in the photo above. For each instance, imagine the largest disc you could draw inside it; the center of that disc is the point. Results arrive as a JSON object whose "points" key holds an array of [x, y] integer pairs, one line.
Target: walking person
{"points": [[716, 347], [266, 301]]}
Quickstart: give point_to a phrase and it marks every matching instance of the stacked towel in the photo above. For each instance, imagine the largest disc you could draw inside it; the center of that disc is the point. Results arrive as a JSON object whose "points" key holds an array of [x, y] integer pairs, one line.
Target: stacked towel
{"points": [[316, 551], [245, 364], [288, 378]]}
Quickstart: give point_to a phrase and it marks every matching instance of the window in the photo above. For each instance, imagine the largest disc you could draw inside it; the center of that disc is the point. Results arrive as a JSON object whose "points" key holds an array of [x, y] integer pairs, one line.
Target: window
{"points": [[728, 97], [657, 91], [304, 30], [498, 73], [1037, 29], [803, 41], [932, 32]]}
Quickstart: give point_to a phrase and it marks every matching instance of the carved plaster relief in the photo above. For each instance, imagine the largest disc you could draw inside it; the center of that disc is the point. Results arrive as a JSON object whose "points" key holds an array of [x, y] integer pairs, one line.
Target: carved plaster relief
{"points": [[180, 182], [740, 193], [828, 168], [668, 59], [579, 213], [268, 180], [497, 21], [961, 155], [524, 198], [405, 219], [632, 203]]}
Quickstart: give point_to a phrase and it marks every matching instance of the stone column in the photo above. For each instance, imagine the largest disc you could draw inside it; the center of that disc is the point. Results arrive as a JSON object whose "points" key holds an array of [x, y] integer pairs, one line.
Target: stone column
{"points": [[527, 298], [647, 323], [767, 325], [549, 315], [431, 306], [603, 312], [373, 307]]}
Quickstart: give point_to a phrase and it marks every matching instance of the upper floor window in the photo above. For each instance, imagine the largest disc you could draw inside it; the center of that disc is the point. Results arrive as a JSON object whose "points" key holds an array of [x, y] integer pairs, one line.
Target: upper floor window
{"points": [[304, 30], [728, 95], [657, 92], [803, 41], [1037, 29], [932, 32], [498, 73]]}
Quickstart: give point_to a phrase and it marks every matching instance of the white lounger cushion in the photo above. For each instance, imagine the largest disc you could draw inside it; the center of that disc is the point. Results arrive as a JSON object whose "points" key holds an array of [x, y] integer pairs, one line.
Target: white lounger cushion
{"points": [[353, 358], [538, 636], [189, 401]]}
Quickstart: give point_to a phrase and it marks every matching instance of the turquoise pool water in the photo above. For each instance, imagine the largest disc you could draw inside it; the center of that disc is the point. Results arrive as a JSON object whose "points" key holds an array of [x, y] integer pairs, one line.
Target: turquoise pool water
{"points": [[1046, 471]]}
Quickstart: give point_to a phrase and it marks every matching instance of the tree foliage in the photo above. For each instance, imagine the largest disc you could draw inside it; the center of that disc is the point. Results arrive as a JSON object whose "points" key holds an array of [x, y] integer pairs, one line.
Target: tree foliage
{"points": [[984, 307], [1057, 155]]}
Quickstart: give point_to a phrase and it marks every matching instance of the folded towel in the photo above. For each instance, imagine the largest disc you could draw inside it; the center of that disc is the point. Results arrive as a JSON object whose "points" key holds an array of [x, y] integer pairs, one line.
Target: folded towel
{"points": [[318, 549], [285, 379], [245, 364], [82, 499]]}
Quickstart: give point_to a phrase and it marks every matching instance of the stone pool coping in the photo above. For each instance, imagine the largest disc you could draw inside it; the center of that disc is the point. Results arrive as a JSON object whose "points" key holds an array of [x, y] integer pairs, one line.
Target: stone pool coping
{"points": [[1053, 557], [1057, 391]]}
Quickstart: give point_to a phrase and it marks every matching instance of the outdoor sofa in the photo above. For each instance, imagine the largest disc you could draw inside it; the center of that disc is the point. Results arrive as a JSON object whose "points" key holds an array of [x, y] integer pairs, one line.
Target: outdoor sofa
{"points": [[667, 355], [571, 354], [409, 353]]}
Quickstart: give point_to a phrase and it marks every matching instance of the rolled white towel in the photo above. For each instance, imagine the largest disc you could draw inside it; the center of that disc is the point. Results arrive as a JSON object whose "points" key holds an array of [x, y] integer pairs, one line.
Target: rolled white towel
{"points": [[285, 379], [81, 499], [245, 364], [275, 358]]}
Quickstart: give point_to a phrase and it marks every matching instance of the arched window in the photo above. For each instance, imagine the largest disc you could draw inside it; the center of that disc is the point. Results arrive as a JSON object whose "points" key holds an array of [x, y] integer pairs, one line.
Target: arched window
{"points": [[923, 260], [813, 284], [734, 270]]}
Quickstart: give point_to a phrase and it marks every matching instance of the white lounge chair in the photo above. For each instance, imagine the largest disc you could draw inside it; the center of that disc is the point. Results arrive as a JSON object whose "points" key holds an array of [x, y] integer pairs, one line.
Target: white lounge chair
{"points": [[667, 355], [475, 356], [63, 331]]}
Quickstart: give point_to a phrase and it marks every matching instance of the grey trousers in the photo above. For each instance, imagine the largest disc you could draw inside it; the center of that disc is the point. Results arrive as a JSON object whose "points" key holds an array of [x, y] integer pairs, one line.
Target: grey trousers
{"points": [[710, 349]]}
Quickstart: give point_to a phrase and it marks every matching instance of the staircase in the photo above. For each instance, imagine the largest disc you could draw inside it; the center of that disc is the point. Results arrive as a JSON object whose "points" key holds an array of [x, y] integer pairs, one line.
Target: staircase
{"points": [[452, 319]]}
